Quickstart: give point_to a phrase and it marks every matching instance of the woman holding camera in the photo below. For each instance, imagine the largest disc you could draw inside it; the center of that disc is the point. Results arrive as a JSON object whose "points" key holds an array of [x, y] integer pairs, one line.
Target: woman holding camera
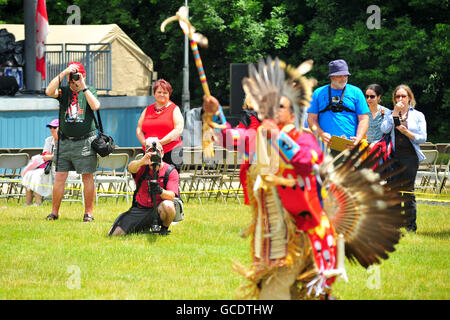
{"points": [[408, 130], [163, 120]]}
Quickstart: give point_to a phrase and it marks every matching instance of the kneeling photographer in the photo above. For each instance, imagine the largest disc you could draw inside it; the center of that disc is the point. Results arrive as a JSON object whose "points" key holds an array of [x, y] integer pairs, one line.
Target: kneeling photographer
{"points": [[156, 182]]}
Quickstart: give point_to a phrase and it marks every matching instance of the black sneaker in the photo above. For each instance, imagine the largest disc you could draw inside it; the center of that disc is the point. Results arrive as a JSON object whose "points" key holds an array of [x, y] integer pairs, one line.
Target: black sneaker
{"points": [[164, 231]]}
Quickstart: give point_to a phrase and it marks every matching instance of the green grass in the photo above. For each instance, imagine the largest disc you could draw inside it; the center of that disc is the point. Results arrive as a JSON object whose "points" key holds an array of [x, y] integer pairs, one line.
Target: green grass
{"points": [[68, 259]]}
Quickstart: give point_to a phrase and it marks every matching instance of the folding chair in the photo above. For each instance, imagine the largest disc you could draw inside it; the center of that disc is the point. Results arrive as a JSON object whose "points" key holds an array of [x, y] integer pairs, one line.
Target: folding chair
{"points": [[138, 156], [427, 173], [231, 180], [73, 188], [213, 181], [138, 151], [445, 173], [192, 164], [208, 176], [113, 172], [31, 151], [185, 174], [443, 147], [428, 146], [443, 167], [131, 151], [11, 165]]}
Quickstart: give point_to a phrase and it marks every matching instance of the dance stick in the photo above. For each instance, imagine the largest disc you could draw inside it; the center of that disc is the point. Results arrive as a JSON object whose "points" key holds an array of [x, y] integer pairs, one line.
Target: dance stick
{"points": [[208, 136]]}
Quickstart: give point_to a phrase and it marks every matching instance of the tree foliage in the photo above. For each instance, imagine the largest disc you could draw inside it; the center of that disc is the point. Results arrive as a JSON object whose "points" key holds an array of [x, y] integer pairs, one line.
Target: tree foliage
{"points": [[411, 46]]}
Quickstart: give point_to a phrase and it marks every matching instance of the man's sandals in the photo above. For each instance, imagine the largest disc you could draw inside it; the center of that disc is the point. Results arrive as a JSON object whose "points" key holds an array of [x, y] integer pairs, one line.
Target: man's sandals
{"points": [[86, 217], [51, 216]]}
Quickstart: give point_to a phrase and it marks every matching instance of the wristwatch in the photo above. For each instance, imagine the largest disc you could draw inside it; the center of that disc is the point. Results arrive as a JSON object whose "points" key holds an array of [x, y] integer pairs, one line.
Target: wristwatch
{"points": [[85, 89]]}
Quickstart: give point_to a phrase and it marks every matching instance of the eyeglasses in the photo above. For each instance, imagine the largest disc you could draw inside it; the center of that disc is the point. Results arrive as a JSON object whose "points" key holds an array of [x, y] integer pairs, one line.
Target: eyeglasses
{"points": [[400, 96], [53, 128], [370, 96]]}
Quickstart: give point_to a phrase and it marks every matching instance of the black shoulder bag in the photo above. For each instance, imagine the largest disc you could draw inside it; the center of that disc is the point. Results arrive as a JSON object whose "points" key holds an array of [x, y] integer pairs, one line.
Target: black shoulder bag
{"points": [[48, 164], [103, 144]]}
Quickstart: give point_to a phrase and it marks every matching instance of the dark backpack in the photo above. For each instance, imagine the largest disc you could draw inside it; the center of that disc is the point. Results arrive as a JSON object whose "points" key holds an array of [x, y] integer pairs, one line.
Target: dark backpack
{"points": [[145, 175]]}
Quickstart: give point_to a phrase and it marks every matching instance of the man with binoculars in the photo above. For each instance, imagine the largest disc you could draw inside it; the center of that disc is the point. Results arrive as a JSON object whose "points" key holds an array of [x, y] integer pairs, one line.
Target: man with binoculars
{"points": [[77, 130], [156, 182], [339, 108]]}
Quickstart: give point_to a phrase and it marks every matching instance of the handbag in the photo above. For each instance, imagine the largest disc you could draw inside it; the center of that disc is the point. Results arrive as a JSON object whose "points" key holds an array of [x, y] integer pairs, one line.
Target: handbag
{"points": [[48, 166], [383, 149], [103, 144]]}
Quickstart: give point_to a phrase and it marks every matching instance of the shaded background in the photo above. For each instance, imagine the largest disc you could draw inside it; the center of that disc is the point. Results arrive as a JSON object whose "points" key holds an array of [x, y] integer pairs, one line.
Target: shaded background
{"points": [[411, 46]]}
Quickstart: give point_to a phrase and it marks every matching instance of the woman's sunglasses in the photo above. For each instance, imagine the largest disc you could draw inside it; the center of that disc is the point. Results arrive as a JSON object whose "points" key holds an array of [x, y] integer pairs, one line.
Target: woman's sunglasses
{"points": [[370, 96]]}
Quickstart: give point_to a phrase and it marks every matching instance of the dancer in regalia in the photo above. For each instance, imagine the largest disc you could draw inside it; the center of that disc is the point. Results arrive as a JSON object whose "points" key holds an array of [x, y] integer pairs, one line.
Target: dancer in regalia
{"points": [[305, 208]]}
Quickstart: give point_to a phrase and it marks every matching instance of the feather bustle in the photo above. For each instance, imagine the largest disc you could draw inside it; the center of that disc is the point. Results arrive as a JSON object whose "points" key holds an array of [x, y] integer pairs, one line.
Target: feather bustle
{"points": [[369, 220]]}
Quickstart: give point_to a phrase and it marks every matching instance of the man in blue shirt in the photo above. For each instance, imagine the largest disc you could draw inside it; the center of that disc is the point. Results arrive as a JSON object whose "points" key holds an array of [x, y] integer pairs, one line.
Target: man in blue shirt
{"points": [[339, 109]]}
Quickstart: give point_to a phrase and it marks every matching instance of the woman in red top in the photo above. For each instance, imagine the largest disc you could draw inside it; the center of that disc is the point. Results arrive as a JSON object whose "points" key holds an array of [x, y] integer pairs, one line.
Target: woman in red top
{"points": [[163, 120]]}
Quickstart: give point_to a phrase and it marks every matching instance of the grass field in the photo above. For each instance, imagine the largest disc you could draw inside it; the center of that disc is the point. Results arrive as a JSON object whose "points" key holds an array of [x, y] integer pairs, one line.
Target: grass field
{"points": [[68, 259]]}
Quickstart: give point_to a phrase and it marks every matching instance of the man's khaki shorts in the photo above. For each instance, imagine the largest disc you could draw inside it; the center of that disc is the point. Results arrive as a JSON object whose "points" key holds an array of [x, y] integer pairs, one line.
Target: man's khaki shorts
{"points": [[76, 156]]}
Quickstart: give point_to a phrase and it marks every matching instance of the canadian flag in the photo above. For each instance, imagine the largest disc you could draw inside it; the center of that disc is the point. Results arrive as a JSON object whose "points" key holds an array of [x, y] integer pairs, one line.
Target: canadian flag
{"points": [[41, 34]]}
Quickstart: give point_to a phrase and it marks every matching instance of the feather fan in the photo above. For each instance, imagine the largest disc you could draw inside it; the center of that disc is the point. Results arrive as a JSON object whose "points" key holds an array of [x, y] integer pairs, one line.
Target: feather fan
{"points": [[363, 207]]}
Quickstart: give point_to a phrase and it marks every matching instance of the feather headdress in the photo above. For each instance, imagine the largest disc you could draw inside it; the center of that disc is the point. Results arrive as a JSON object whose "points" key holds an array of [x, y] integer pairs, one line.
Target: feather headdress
{"points": [[271, 79]]}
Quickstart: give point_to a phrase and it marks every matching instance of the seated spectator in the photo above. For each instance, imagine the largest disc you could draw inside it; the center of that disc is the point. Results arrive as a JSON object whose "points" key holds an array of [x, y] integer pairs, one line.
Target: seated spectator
{"points": [[35, 180], [141, 216]]}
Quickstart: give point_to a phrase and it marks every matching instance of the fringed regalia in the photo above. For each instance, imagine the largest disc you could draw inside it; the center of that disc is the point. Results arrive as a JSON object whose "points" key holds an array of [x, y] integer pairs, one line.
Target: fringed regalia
{"points": [[304, 206], [289, 226]]}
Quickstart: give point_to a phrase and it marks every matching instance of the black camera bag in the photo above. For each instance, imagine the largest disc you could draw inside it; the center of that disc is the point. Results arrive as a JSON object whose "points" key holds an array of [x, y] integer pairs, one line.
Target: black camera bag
{"points": [[103, 144]]}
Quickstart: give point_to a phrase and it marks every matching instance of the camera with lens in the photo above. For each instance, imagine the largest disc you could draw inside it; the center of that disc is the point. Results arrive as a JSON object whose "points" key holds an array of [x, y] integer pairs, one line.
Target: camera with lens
{"points": [[338, 107], [75, 76], [155, 157], [153, 183]]}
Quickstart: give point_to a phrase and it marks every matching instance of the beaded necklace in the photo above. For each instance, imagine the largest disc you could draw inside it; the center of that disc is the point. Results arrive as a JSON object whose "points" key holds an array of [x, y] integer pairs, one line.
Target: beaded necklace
{"points": [[158, 111]]}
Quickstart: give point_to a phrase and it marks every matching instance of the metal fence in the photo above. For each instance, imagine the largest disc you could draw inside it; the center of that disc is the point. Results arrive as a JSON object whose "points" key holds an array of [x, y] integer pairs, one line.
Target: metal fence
{"points": [[96, 58]]}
